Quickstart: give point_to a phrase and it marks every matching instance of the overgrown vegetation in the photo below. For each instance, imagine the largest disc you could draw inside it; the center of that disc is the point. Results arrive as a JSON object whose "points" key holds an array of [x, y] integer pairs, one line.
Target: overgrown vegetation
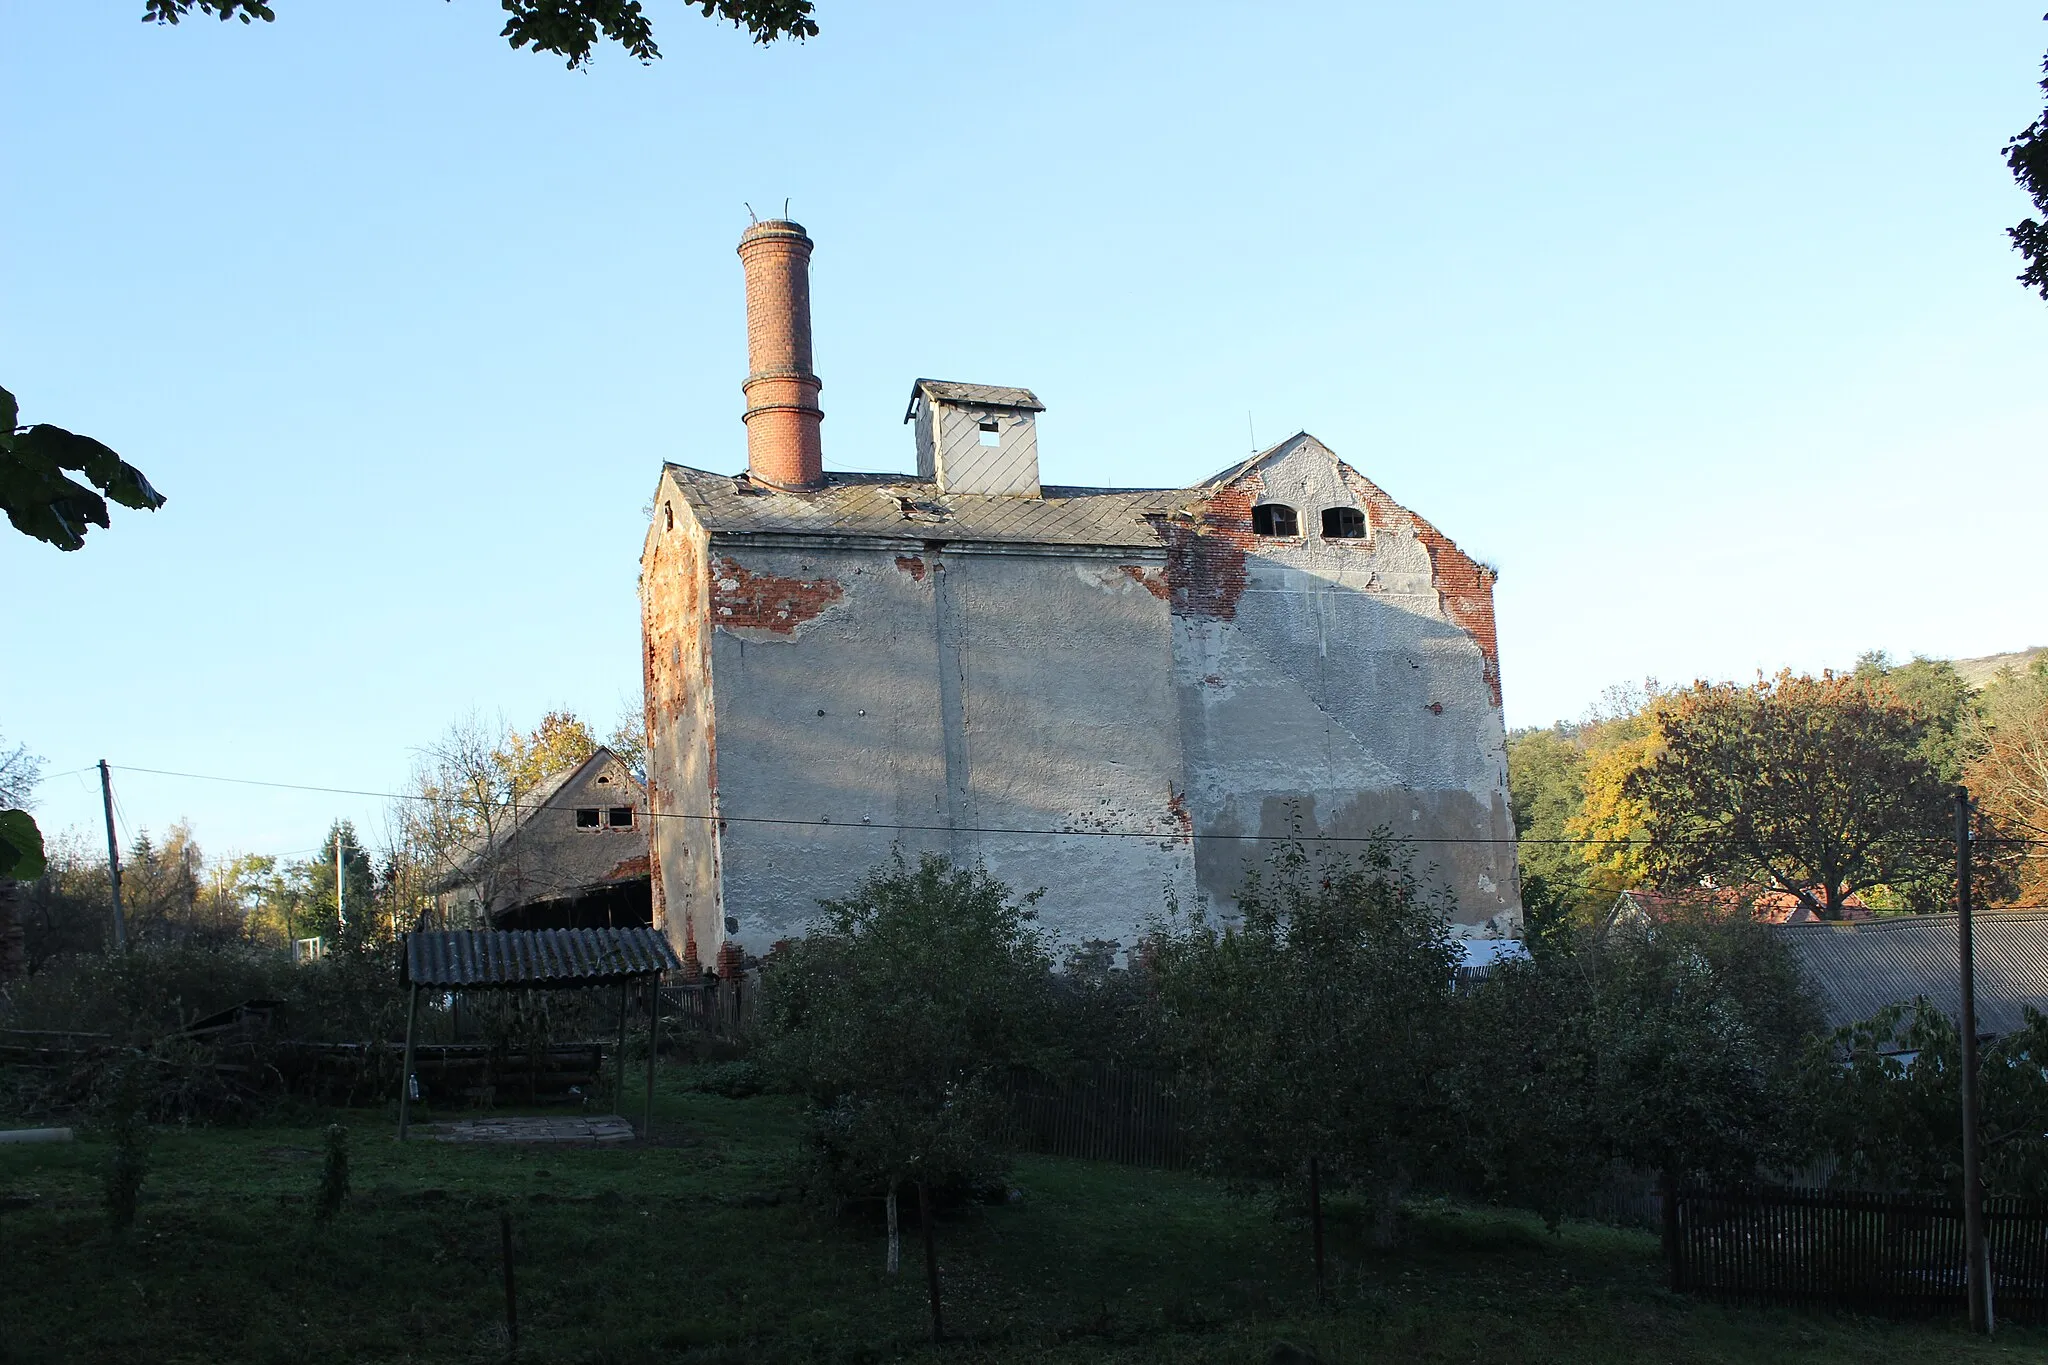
{"points": [[1883, 1102]]}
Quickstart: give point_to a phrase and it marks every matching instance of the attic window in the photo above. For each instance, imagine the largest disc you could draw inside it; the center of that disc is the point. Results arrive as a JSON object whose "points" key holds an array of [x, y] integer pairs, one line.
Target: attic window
{"points": [[1343, 523], [991, 431], [668, 516], [586, 817], [619, 817], [1275, 519]]}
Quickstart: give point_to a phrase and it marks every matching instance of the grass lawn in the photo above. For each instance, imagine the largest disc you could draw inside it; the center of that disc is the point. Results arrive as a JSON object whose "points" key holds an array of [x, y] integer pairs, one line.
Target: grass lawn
{"points": [[695, 1249]]}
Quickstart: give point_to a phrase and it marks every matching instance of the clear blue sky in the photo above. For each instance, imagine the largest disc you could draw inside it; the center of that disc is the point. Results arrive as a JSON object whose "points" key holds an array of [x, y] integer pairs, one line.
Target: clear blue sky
{"points": [[1700, 323]]}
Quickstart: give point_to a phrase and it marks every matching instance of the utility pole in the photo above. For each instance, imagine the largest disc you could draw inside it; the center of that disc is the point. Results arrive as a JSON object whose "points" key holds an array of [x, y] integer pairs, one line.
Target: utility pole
{"points": [[340, 887], [1976, 1248], [113, 857]]}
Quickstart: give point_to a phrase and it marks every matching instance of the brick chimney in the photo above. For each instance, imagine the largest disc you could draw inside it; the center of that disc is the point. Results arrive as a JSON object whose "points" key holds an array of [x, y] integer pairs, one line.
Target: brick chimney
{"points": [[782, 394]]}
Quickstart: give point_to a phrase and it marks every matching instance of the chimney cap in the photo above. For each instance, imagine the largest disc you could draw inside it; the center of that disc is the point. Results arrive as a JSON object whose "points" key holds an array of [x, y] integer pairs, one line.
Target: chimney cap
{"points": [[972, 396], [774, 227]]}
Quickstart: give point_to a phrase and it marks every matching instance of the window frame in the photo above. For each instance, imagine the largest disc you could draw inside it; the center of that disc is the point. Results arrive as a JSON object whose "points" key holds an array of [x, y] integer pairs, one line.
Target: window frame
{"points": [[596, 814], [1341, 509], [1273, 510]]}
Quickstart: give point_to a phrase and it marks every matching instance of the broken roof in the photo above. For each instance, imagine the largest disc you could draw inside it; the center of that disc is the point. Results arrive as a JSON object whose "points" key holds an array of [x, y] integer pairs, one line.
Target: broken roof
{"points": [[972, 395], [900, 506]]}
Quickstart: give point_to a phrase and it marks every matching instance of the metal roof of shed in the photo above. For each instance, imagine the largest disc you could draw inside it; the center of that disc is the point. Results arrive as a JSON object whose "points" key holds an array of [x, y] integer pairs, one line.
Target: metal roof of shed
{"points": [[535, 957], [1858, 968]]}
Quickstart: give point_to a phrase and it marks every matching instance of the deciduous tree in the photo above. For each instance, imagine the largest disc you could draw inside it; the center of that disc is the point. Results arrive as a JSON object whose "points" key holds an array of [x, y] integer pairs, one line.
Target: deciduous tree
{"points": [[1674, 1049], [36, 488], [899, 1017], [2027, 157], [2008, 771], [1313, 1033], [1885, 1103], [570, 29], [1815, 786]]}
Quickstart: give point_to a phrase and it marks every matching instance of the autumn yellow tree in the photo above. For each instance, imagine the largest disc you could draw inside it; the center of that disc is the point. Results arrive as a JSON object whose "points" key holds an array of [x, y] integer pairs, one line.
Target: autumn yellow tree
{"points": [[1612, 826]]}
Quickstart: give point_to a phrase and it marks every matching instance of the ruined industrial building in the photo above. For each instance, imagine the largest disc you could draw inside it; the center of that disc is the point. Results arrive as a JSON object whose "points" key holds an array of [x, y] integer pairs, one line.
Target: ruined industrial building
{"points": [[1118, 695]]}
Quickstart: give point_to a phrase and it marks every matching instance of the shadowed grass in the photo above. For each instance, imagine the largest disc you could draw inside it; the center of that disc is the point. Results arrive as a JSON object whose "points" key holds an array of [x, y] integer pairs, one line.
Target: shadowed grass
{"points": [[696, 1249]]}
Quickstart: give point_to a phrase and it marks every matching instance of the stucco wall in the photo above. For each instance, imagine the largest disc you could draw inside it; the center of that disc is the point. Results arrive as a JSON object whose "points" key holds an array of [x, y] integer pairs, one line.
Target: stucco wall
{"points": [[1339, 686], [950, 692]]}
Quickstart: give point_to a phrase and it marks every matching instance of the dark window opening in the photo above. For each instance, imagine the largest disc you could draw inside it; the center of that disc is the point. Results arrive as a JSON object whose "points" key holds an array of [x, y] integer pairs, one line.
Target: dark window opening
{"points": [[1343, 523], [1275, 519], [668, 516], [586, 817], [620, 817], [991, 432]]}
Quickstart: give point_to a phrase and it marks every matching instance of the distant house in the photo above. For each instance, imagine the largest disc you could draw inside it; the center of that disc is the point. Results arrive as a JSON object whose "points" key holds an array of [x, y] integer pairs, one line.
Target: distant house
{"points": [[573, 856], [1764, 905], [1857, 969]]}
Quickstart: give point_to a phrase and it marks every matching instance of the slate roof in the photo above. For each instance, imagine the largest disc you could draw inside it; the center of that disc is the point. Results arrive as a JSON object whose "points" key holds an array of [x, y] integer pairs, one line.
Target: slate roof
{"points": [[1859, 968], [535, 957], [973, 395], [905, 507]]}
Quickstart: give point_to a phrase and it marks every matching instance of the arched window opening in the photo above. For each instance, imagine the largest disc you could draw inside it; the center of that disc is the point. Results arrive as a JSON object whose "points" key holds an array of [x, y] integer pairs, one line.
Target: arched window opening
{"points": [[1275, 519], [1343, 523]]}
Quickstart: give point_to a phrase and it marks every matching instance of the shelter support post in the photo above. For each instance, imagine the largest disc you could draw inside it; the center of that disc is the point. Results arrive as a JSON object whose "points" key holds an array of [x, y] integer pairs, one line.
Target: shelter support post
{"points": [[412, 1021], [653, 1037], [619, 1065]]}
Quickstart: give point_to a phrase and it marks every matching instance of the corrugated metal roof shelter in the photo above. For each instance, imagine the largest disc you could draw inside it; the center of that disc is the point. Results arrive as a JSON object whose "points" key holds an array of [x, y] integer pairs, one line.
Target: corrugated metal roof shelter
{"points": [[481, 959], [535, 959], [1858, 968]]}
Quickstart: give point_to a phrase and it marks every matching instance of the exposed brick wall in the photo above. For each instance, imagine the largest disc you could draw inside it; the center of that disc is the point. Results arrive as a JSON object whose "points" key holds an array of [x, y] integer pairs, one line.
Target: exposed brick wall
{"points": [[742, 598], [783, 446], [640, 866], [912, 565], [1205, 559], [1464, 586], [1151, 580]]}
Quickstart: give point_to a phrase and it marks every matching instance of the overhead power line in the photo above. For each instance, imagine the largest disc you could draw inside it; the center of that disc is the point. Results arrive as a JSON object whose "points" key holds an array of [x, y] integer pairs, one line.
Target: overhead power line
{"points": [[826, 823]]}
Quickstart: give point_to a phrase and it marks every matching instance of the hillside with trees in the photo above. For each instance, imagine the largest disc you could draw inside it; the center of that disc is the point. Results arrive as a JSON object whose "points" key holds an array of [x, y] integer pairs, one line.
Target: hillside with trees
{"points": [[1820, 788]]}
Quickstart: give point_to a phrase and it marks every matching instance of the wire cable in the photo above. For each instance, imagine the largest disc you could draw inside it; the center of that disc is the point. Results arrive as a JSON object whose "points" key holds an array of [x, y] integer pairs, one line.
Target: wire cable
{"points": [[826, 823]]}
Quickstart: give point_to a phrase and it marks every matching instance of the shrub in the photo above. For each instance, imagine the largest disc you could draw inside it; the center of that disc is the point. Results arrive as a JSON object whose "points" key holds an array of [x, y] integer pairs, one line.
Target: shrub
{"points": [[128, 1163], [733, 1080], [333, 1191]]}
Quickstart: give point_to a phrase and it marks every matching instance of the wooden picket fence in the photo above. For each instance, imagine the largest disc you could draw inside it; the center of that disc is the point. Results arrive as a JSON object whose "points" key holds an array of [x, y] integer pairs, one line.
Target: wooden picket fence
{"points": [[722, 1009], [1105, 1113], [1877, 1253]]}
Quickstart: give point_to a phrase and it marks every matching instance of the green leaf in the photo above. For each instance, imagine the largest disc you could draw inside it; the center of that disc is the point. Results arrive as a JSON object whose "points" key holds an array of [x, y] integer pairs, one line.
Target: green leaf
{"points": [[43, 503], [10, 413], [21, 846], [112, 475]]}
